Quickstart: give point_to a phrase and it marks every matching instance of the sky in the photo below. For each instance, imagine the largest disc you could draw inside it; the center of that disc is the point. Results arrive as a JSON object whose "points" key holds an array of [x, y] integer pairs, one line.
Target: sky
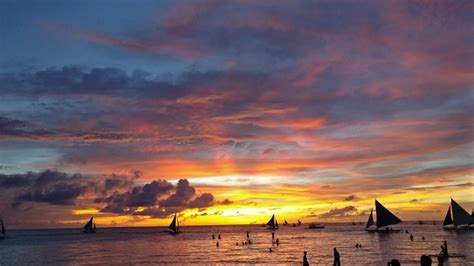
{"points": [[227, 112]]}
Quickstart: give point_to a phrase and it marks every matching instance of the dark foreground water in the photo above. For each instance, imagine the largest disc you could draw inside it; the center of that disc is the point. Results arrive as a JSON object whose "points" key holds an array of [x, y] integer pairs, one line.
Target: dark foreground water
{"points": [[125, 246]]}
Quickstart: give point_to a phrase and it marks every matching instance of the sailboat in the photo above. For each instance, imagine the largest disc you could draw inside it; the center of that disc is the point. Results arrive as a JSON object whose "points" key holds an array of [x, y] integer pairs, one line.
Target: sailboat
{"points": [[384, 219], [273, 223], [285, 223], [90, 226], [460, 218], [3, 234], [174, 226]]}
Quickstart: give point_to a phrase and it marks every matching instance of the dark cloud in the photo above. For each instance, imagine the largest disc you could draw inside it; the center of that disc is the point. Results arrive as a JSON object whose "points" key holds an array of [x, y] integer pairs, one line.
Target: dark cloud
{"points": [[351, 198], [115, 193], [59, 188], [158, 199], [58, 194], [337, 213]]}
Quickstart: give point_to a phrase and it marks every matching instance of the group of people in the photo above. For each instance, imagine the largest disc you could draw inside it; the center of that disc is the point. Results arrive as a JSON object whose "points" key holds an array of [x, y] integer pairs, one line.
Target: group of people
{"points": [[424, 261], [218, 238]]}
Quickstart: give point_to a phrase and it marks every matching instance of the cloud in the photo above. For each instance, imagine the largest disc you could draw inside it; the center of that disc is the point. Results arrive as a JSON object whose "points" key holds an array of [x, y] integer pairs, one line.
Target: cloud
{"points": [[351, 198], [339, 212], [158, 199]]}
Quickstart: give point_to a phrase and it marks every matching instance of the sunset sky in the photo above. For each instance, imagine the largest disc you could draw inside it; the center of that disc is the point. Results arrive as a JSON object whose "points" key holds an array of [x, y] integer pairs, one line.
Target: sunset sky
{"points": [[230, 111]]}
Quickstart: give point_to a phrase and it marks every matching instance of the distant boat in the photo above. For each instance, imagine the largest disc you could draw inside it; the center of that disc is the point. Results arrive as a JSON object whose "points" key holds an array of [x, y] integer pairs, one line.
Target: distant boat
{"points": [[3, 234], [384, 219], [299, 222], [285, 223], [273, 223], [353, 223], [315, 226], [420, 222], [174, 226], [90, 226], [460, 218]]}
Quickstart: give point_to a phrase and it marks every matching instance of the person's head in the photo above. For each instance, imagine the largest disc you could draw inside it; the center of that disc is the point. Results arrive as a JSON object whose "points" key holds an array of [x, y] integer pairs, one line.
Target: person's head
{"points": [[425, 261], [305, 253], [394, 262], [335, 249]]}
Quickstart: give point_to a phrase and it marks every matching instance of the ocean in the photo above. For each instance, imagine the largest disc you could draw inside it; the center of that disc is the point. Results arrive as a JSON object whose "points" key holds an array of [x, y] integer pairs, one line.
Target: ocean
{"points": [[150, 245]]}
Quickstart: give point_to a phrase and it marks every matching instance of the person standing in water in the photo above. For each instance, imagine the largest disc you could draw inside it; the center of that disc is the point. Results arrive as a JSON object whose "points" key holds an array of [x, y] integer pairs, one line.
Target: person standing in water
{"points": [[248, 234], [411, 237], [305, 260], [446, 248], [337, 258], [273, 235]]}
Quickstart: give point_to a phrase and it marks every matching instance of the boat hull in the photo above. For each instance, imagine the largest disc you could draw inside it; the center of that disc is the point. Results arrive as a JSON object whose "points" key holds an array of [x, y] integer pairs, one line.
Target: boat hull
{"points": [[383, 230], [316, 227]]}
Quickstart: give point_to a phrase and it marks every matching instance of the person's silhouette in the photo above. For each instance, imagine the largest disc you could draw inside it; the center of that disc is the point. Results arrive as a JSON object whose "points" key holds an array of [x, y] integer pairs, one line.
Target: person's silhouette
{"points": [[217, 244], [393, 262], [425, 261], [337, 258], [411, 237], [305, 260], [219, 236]]}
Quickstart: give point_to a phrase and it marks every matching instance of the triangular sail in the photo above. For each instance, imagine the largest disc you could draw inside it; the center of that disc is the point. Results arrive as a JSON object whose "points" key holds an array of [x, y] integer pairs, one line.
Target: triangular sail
{"points": [[272, 222], [384, 216], [89, 224], [173, 226], [447, 219], [460, 216], [370, 222]]}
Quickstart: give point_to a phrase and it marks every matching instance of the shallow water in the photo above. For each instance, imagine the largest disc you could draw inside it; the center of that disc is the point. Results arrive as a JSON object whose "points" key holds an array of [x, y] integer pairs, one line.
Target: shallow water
{"points": [[195, 246]]}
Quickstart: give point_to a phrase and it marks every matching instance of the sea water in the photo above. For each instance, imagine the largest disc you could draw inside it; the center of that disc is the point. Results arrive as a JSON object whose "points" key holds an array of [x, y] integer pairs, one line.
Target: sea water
{"points": [[125, 246]]}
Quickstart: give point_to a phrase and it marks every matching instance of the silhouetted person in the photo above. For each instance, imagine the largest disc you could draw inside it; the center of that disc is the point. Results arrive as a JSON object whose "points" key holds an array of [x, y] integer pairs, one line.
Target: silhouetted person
{"points": [[305, 260], [393, 262], [270, 250], [406, 231], [278, 242], [423, 238], [248, 235], [213, 236], [337, 258], [440, 260], [411, 237], [250, 241], [217, 244], [273, 235], [219, 236], [446, 248], [425, 261]]}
